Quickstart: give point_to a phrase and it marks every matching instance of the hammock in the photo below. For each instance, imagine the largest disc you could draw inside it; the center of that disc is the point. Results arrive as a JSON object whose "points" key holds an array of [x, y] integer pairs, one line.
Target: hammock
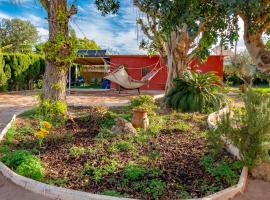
{"points": [[121, 77]]}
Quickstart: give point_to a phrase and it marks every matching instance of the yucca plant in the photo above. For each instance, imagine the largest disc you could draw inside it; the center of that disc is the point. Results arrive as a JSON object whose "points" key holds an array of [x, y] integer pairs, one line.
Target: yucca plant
{"points": [[196, 92]]}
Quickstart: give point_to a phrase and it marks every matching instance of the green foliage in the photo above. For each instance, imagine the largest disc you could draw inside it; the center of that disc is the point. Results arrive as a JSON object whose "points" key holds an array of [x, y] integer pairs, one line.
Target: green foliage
{"points": [[105, 134], [144, 102], [225, 171], [18, 33], [195, 92], [32, 168], [123, 146], [134, 172], [112, 193], [249, 128], [61, 182], [108, 166], [9, 137], [20, 71], [76, 151], [24, 163], [52, 111], [155, 187]]}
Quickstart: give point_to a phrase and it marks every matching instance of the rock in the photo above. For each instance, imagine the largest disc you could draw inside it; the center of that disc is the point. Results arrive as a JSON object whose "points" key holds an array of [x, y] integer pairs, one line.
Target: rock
{"points": [[123, 126], [262, 171]]}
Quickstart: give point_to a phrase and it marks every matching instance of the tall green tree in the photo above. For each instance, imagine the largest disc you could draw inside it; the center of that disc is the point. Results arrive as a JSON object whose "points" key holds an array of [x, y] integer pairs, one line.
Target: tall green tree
{"points": [[60, 50], [256, 17], [18, 33]]}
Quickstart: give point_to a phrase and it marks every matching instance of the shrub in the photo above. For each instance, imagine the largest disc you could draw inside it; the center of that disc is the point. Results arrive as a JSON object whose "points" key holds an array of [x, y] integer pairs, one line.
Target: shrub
{"points": [[133, 172], [195, 92], [32, 168], [145, 102], [249, 128], [24, 163], [52, 111], [20, 71]]}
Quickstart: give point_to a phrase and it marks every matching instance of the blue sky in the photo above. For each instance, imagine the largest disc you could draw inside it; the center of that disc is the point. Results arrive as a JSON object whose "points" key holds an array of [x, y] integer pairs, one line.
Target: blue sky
{"points": [[117, 32]]}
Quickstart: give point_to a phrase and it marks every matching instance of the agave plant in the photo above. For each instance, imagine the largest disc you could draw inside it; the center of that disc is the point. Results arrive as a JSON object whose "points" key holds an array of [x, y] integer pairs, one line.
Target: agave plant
{"points": [[196, 91]]}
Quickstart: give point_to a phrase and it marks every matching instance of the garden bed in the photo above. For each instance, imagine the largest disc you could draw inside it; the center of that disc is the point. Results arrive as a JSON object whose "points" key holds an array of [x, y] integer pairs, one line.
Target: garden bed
{"points": [[170, 160]]}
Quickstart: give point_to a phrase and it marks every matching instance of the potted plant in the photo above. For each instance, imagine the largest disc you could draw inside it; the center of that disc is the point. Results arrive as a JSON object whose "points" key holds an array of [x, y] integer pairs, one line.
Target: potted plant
{"points": [[140, 117]]}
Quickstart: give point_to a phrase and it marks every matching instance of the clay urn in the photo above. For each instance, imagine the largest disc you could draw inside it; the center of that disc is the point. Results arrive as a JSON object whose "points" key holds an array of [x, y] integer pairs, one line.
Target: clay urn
{"points": [[140, 119]]}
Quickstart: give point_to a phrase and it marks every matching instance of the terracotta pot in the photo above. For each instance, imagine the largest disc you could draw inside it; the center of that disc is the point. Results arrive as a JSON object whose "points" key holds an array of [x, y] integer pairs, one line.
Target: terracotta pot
{"points": [[140, 119]]}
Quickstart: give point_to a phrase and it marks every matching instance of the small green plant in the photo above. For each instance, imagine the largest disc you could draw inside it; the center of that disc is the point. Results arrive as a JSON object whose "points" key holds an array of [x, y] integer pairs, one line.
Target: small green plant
{"points": [[144, 102], [134, 172], [24, 163], [9, 138], [76, 151], [101, 170], [123, 146], [105, 134], [62, 182], [112, 193], [155, 188], [196, 91], [69, 137], [183, 195]]}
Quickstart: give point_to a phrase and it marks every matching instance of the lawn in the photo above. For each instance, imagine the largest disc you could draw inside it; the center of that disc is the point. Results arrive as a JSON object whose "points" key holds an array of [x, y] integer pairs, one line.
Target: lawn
{"points": [[170, 160]]}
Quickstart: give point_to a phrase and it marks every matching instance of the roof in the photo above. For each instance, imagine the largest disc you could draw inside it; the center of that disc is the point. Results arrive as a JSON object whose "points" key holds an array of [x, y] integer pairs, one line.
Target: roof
{"points": [[91, 53]]}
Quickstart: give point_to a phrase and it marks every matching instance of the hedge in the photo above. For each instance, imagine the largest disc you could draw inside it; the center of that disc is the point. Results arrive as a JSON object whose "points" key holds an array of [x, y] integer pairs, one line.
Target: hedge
{"points": [[20, 71]]}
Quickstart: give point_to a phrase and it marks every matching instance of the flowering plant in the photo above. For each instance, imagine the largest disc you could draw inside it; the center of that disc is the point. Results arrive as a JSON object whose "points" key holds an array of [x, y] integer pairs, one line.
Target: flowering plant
{"points": [[42, 132]]}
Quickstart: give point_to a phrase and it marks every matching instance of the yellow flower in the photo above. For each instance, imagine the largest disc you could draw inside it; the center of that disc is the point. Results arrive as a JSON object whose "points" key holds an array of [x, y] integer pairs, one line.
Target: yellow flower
{"points": [[44, 131], [47, 125], [39, 135]]}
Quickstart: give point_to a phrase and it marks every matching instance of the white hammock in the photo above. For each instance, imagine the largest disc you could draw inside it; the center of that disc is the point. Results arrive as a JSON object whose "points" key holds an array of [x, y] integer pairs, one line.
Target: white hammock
{"points": [[121, 77]]}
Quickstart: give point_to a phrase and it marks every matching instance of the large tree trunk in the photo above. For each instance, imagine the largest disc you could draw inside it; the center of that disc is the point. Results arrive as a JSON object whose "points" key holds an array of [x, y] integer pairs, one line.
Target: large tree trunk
{"points": [[256, 48], [55, 78], [177, 48]]}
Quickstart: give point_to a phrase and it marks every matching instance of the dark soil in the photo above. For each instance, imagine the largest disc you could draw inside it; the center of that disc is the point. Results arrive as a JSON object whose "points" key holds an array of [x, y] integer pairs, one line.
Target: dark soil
{"points": [[178, 155]]}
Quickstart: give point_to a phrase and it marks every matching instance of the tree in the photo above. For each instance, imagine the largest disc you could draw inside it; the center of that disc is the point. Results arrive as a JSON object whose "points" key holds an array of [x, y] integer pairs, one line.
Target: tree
{"points": [[256, 17], [243, 67], [60, 50], [21, 34], [182, 30]]}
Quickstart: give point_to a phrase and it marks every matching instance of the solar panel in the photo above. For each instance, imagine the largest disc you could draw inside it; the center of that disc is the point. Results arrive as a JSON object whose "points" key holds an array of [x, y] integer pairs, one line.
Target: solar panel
{"points": [[91, 53]]}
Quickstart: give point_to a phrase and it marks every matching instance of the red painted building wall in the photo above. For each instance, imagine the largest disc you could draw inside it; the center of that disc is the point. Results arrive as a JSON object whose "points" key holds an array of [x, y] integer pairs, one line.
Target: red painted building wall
{"points": [[214, 63]]}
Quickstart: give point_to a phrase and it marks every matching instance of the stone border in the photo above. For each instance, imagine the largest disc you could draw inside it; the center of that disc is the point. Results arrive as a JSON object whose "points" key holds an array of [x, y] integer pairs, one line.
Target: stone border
{"points": [[59, 193]]}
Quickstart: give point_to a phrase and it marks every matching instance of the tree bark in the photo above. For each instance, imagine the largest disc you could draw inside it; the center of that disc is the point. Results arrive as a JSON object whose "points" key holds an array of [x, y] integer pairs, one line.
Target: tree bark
{"points": [[256, 48], [177, 48], [55, 78]]}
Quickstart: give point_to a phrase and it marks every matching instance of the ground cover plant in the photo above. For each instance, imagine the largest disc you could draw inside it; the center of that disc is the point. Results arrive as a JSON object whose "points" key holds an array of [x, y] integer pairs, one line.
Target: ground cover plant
{"points": [[171, 160]]}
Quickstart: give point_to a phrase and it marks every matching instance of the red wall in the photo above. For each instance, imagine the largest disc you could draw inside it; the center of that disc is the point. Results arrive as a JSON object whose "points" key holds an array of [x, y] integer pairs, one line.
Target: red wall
{"points": [[214, 63]]}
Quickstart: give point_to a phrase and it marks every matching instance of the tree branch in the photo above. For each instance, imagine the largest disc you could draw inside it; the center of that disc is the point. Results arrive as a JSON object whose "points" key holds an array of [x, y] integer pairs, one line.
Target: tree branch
{"points": [[145, 29], [45, 4]]}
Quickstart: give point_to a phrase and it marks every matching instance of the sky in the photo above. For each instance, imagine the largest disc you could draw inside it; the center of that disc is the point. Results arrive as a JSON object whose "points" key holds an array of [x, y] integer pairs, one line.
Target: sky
{"points": [[115, 32]]}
